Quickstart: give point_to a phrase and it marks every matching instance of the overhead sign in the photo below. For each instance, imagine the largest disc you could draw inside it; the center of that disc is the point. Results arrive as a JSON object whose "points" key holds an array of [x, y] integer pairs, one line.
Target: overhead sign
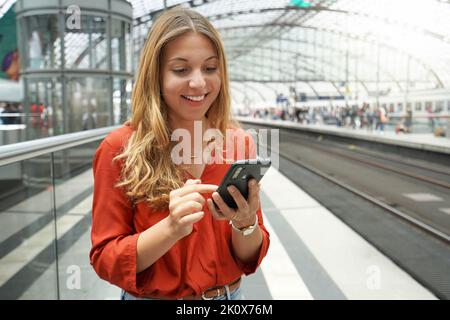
{"points": [[300, 3]]}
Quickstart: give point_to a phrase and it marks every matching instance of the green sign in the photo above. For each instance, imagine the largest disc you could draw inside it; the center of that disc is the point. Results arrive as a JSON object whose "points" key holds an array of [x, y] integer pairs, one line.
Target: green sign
{"points": [[9, 56], [300, 3]]}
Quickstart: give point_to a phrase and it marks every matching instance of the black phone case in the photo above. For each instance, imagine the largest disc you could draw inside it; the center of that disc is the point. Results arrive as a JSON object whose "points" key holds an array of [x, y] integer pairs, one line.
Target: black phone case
{"points": [[250, 169]]}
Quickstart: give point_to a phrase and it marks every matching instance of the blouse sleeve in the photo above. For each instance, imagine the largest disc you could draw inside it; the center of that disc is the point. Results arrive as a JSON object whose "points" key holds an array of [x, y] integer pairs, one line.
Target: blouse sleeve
{"points": [[249, 268], [114, 240]]}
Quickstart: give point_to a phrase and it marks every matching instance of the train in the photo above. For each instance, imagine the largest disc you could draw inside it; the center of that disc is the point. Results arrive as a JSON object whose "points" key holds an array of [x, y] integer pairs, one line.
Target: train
{"points": [[427, 110], [421, 103]]}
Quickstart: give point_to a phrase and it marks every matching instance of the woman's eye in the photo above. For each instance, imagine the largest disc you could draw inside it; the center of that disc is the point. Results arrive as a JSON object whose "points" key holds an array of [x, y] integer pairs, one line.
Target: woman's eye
{"points": [[179, 70], [211, 69]]}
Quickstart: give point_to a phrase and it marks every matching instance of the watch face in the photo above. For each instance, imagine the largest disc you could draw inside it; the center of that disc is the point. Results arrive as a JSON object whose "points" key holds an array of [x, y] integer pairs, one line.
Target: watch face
{"points": [[248, 231]]}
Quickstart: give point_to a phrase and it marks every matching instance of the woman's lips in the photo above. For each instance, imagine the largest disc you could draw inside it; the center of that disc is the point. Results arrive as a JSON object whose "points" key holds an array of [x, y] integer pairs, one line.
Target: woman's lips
{"points": [[194, 103]]}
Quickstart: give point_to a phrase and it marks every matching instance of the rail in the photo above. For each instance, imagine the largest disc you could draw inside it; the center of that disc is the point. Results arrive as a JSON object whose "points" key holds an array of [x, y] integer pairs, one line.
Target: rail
{"points": [[30, 149]]}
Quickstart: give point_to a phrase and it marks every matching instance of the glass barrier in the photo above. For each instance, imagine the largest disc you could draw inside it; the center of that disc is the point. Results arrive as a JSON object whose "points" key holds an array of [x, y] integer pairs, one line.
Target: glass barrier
{"points": [[27, 247], [45, 224]]}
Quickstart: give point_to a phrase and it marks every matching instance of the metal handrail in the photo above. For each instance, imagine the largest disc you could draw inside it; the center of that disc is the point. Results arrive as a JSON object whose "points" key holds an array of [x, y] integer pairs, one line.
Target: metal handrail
{"points": [[31, 149]]}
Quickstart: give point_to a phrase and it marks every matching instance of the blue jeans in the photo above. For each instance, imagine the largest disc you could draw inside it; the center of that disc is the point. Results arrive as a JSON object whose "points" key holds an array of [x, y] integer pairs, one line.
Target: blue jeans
{"points": [[233, 295]]}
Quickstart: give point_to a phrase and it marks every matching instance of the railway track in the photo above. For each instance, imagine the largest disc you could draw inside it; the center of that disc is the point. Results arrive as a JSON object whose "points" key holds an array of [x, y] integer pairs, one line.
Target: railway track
{"points": [[416, 246], [440, 177], [344, 154], [415, 222]]}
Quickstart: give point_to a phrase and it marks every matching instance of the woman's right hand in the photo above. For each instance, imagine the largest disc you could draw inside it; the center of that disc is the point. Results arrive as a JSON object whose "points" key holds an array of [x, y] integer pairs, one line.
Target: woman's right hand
{"points": [[185, 206]]}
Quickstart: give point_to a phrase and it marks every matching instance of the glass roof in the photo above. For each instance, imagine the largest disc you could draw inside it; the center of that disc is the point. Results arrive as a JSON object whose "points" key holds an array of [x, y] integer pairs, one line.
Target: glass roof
{"points": [[332, 47], [355, 48]]}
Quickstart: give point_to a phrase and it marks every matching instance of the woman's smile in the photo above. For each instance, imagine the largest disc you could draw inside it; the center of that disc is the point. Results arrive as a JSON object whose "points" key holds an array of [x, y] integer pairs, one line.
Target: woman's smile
{"points": [[195, 101]]}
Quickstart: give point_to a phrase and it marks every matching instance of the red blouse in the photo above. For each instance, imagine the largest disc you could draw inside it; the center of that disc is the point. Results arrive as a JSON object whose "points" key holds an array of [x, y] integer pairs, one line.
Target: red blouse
{"points": [[201, 260]]}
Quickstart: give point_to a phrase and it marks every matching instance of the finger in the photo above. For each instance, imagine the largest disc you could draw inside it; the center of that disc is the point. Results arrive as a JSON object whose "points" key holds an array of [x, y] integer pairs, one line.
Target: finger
{"points": [[253, 196], [217, 215], [238, 198], [186, 208], [192, 218], [201, 188], [192, 181], [195, 196], [223, 207]]}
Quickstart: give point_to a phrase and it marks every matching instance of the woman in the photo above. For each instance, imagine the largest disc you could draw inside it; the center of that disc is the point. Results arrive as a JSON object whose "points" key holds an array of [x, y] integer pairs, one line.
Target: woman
{"points": [[156, 232]]}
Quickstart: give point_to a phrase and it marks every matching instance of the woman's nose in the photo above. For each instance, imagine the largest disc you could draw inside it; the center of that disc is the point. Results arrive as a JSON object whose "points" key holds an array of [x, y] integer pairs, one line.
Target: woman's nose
{"points": [[197, 80]]}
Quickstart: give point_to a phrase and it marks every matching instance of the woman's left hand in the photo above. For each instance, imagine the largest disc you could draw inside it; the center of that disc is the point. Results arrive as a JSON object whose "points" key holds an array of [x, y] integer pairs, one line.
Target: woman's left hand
{"points": [[244, 215]]}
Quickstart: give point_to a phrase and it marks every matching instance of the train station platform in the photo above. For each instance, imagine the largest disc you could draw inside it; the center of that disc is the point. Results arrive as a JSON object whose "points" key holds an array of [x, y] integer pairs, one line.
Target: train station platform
{"points": [[420, 141], [313, 254]]}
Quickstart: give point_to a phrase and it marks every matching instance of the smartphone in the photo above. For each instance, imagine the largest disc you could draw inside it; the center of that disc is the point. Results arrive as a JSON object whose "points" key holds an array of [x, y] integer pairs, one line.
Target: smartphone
{"points": [[239, 174]]}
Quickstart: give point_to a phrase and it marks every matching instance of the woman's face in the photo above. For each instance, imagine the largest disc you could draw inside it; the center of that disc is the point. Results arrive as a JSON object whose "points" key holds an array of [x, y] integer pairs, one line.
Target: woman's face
{"points": [[190, 77]]}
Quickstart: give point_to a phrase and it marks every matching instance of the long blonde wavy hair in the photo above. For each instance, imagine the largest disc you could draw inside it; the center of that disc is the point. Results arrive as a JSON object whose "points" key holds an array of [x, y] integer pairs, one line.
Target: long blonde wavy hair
{"points": [[148, 172]]}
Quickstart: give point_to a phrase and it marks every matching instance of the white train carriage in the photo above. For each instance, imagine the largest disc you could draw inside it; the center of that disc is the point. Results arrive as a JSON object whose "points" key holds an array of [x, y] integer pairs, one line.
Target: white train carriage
{"points": [[421, 104]]}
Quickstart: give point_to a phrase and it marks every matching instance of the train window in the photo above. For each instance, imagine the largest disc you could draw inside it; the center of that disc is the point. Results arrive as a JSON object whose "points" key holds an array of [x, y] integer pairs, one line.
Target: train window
{"points": [[384, 106], [448, 105], [439, 106], [399, 107], [408, 107], [428, 106], [391, 107], [418, 106]]}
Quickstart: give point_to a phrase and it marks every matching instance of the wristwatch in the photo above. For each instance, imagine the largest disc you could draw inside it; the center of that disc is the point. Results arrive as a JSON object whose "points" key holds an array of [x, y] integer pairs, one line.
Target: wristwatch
{"points": [[246, 230]]}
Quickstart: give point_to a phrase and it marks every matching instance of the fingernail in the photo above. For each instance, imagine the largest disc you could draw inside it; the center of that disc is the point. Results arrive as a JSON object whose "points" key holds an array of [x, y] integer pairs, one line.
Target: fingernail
{"points": [[230, 188]]}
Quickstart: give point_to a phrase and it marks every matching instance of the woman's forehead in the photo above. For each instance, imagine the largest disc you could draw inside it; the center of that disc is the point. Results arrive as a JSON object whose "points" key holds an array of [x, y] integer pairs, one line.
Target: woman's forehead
{"points": [[189, 47]]}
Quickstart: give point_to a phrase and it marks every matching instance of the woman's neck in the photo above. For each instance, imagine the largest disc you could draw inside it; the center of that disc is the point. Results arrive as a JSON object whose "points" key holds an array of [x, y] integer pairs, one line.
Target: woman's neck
{"points": [[196, 129], [190, 125]]}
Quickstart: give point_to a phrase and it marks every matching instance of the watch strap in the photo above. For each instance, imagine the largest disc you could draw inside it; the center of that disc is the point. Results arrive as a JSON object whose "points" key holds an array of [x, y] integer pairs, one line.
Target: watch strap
{"points": [[246, 230]]}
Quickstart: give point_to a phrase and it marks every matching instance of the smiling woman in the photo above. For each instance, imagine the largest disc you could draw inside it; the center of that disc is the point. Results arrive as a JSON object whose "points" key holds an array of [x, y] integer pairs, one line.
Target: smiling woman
{"points": [[155, 233], [190, 77]]}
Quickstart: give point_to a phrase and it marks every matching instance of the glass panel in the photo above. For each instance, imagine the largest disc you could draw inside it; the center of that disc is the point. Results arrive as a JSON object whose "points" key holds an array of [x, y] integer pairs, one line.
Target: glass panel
{"points": [[45, 111], [43, 44], [87, 100], [121, 100], [73, 200], [120, 45], [86, 48], [129, 47], [27, 254]]}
